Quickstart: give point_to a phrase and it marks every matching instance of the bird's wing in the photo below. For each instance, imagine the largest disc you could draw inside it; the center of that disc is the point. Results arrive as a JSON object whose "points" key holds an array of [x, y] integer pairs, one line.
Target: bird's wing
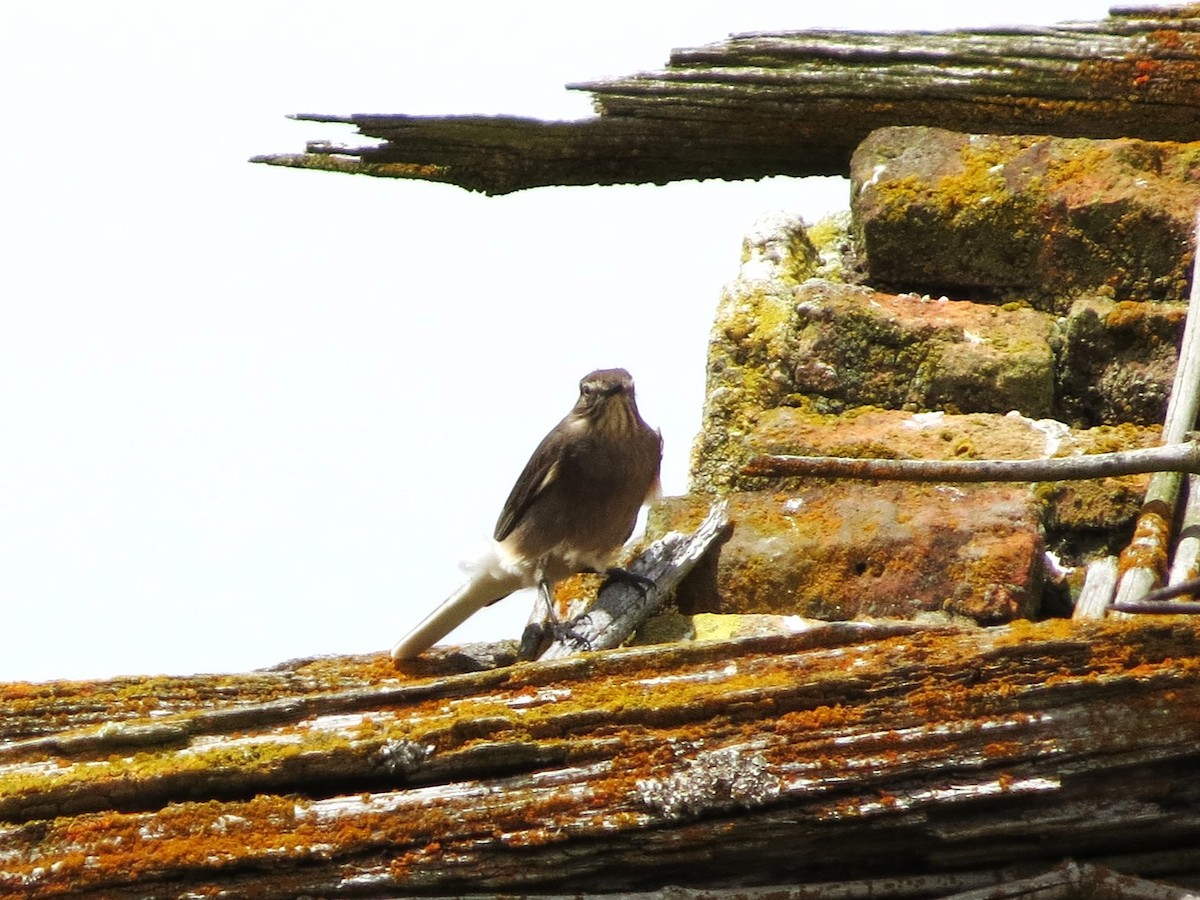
{"points": [[539, 473], [655, 490]]}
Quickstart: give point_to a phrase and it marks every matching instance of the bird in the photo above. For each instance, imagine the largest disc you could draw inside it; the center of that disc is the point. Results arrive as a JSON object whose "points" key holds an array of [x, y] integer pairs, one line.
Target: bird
{"points": [[573, 506]]}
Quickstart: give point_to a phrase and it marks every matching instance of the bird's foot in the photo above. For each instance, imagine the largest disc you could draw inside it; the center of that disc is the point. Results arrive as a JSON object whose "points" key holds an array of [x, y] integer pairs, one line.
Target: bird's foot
{"points": [[537, 636], [564, 633], [641, 583]]}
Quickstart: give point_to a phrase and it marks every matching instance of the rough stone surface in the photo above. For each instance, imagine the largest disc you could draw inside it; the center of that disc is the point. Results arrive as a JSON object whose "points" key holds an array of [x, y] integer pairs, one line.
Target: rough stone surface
{"points": [[749, 351], [1080, 518], [1117, 360], [856, 347], [840, 550], [783, 338], [1034, 217], [893, 433]]}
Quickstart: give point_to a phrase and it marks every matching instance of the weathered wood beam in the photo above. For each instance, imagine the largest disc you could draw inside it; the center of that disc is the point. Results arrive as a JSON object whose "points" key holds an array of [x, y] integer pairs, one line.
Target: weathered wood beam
{"points": [[798, 103], [502, 154], [853, 754]]}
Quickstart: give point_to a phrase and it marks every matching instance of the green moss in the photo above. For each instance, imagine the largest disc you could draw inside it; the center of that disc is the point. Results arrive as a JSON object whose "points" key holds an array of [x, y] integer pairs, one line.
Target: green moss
{"points": [[828, 231], [970, 214]]}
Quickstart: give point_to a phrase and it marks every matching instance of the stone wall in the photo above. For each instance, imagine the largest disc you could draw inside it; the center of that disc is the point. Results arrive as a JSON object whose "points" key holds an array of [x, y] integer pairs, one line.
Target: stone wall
{"points": [[986, 297]]}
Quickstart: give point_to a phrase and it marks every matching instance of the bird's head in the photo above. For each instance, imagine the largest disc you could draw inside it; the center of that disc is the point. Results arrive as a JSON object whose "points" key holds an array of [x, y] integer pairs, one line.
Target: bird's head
{"points": [[598, 390]]}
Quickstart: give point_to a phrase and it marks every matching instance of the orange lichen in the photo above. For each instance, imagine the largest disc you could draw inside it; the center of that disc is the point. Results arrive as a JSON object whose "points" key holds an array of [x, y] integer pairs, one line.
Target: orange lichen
{"points": [[1149, 546]]}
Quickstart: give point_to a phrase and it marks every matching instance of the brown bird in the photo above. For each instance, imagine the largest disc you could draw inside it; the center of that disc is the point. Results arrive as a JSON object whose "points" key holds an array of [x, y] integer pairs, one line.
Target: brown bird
{"points": [[572, 508]]}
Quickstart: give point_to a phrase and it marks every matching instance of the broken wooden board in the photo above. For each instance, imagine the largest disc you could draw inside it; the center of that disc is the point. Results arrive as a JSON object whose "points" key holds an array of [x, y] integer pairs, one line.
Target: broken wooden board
{"points": [[798, 103]]}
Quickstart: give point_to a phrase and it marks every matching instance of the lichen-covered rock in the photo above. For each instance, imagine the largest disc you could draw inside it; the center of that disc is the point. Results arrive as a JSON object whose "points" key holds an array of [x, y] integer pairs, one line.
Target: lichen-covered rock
{"points": [[1088, 518], [1079, 517], [890, 433], [833, 239], [840, 550], [1117, 360], [822, 347], [856, 347], [1024, 216], [833, 347], [748, 353]]}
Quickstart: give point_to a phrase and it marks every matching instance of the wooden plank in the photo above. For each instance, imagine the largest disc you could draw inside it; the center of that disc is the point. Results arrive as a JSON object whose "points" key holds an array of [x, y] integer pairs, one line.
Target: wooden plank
{"points": [[845, 753]]}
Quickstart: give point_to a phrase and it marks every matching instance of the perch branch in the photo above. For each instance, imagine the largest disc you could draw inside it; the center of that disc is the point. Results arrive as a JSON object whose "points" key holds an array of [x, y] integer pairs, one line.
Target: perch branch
{"points": [[621, 607], [1161, 602], [1173, 458]]}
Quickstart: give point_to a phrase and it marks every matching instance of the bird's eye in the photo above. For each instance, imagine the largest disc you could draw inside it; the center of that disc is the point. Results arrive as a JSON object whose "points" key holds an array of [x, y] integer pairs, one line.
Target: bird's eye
{"points": [[603, 387]]}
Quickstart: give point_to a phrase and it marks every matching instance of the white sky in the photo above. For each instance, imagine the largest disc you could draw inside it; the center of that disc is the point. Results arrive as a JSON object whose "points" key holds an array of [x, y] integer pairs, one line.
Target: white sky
{"points": [[251, 414]]}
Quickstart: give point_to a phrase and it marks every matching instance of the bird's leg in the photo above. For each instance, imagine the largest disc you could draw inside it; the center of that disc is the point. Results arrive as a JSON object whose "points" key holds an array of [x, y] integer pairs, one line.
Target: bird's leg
{"points": [[622, 575], [544, 626], [562, 631], [542, 621]]}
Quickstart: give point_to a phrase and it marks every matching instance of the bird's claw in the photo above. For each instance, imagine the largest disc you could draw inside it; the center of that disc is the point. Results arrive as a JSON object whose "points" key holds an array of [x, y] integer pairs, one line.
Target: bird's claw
{"points": [[539, 635], [565, 632]]}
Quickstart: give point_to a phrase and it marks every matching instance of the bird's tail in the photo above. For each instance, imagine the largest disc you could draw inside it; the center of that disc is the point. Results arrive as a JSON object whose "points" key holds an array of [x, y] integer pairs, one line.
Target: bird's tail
{"points": [[488, 582]]}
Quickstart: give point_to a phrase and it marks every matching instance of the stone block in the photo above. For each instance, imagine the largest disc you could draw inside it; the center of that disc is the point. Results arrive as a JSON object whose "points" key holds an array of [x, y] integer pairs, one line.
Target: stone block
{"points": [[1034, 217], [1078, 517], [1117, 360], [855, 347], [842, 550]]}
